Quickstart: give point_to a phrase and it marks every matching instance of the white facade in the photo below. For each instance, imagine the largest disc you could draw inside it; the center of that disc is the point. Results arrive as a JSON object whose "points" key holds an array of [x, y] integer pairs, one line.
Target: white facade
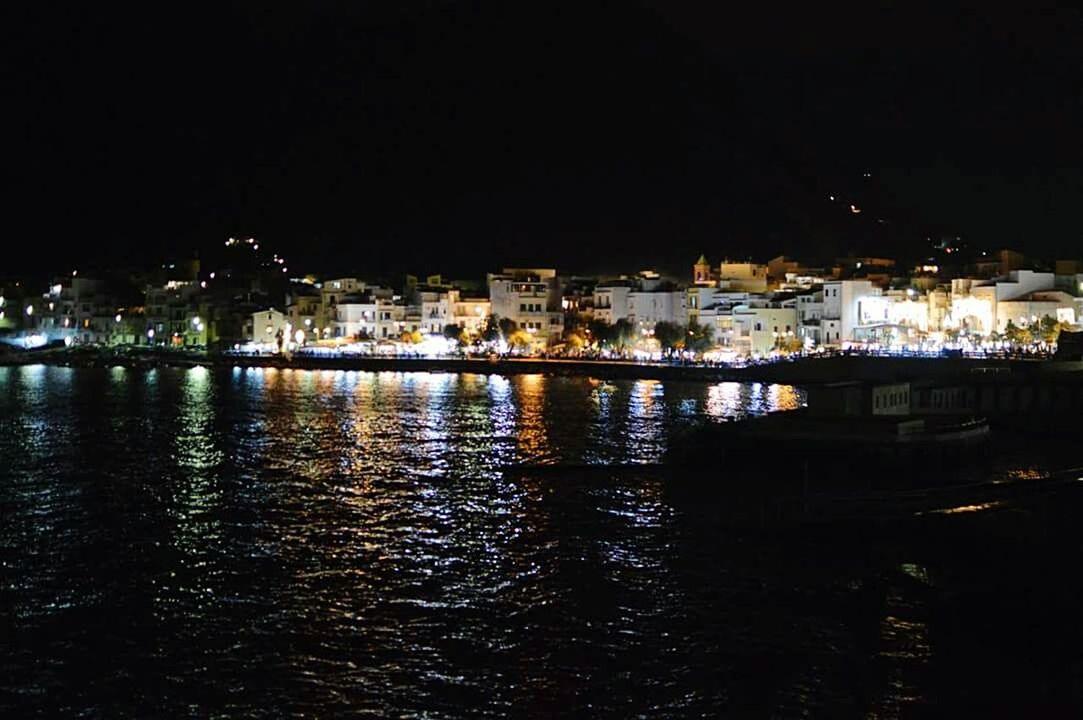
{"points": [[268, 325], [611, 303], [761, 330], [1030, 310], [843, 311], [530, 298], [355, 318], [471, 314], [810, 313], [646, 309]]}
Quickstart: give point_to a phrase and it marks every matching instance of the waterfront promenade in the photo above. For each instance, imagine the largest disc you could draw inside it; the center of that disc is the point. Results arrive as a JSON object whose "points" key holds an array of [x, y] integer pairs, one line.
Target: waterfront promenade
{"points": [[800, 371]]}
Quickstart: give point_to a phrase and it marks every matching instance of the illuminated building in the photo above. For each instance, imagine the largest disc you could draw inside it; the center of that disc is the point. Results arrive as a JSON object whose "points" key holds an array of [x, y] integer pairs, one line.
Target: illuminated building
{"points": [[529, 297]]}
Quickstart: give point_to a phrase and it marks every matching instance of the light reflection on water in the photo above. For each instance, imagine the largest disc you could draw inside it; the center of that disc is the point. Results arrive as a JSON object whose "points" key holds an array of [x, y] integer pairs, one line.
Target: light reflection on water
{"points": [[275, 542]]}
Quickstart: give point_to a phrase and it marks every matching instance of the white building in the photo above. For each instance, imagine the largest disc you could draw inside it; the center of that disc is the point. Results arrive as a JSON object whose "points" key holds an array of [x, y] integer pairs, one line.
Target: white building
{"points": [[810, 313], [975, 303], [267, 326], [647, 309], [611, 303], [470, 314], [355, 317], [759, 330], [1031, 309], [843, 310], [530, 297]]}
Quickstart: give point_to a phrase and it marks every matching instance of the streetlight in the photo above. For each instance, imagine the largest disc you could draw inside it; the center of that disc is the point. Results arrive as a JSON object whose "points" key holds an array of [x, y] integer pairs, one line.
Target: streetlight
{"points": [[29, 310], [117, 318]]}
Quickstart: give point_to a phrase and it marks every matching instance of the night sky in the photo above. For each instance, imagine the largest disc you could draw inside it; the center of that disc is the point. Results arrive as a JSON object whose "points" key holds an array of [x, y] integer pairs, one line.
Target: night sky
{"points": [[459, 137]]}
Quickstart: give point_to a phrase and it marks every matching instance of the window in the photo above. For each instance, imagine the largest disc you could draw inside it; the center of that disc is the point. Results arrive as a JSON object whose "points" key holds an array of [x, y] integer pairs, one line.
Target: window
{"points": [[522, 307]]}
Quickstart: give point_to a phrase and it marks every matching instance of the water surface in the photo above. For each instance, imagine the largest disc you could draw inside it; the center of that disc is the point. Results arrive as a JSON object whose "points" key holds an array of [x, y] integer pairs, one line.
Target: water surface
{"points": [[275, 542]]}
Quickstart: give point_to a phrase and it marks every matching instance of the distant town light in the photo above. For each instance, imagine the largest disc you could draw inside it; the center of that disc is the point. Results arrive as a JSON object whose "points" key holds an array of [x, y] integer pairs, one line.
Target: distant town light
{"points": [[150, 333], [855, 209], [117, 317], [196, 320], [29, 309], [203, 284], [212, 276], [299, 336]]}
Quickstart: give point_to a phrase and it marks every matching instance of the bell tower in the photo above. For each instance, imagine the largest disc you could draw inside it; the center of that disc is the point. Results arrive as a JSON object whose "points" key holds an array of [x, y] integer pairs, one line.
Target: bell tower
{"points": [[701, 272]]}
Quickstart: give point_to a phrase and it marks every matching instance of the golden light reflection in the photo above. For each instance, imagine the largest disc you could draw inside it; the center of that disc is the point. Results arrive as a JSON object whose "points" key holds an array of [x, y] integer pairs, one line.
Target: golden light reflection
{"points": [[724, 400], [530, 431], [783, 397], [960, 509]]}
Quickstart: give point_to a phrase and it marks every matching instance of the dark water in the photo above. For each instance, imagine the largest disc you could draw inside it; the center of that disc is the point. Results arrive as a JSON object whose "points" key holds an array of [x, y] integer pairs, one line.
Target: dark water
{"points": [[275, 543]]}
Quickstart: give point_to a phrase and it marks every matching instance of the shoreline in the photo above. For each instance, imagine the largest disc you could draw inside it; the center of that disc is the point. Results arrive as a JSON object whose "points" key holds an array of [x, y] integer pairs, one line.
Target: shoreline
{"points": [[803, 371]]}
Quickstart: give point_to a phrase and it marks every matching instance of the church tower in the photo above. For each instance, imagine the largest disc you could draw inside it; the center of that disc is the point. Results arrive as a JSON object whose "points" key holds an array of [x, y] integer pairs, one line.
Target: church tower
{"points": [[701, 272]]}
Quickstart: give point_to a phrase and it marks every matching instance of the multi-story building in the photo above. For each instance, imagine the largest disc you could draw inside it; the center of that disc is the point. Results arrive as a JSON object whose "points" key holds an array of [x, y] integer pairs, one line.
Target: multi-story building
{"points": [[843, 312], [440, 308], [305, 312], [531, 298], [611, 303], [175, 314], [760, 328], [810, 313], [648, 308]]}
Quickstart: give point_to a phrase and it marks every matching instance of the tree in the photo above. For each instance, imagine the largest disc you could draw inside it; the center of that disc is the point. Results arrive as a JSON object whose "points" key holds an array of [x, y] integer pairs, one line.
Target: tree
{"points": [[491, 333], [455, 333], [575, 341], [507, 327], [520, 339], [669, 335], [600, 333], [1050, 329], [623, 334], [792, 344], [699, 338], [1017, 335]]}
